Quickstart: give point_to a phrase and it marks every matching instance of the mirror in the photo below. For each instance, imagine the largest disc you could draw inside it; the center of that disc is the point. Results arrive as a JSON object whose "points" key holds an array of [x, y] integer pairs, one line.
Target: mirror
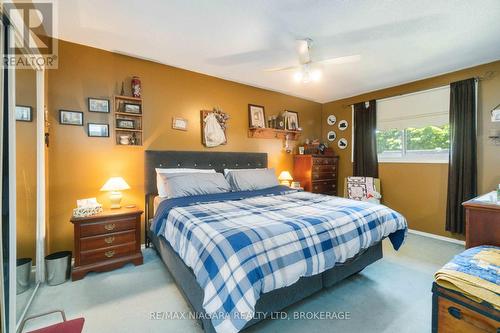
{"points": [[26, 187]]}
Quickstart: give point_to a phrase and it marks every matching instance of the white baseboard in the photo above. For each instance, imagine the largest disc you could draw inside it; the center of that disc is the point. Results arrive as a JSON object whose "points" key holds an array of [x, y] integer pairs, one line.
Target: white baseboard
{"points": [[443, 238]]}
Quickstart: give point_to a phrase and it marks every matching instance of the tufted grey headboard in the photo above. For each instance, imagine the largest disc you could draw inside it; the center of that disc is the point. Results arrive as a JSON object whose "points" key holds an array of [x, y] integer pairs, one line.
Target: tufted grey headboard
{"points": [[197, 160]]}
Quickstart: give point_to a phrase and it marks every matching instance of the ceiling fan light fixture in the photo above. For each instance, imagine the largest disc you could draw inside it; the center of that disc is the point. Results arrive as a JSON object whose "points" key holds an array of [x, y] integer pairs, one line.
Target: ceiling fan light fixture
{"points": [[305, 75]]}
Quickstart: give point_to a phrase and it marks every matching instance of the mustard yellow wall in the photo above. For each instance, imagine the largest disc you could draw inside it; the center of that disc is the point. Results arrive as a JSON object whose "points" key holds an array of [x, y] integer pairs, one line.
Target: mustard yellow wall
{"points": [[419, 190], [79, 165], [26, 166]]}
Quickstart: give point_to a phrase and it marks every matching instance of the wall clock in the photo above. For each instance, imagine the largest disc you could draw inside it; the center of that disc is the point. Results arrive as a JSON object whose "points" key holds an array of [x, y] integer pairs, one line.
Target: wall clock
{"points": [[343, 124], [331, 120], [331, 136], [342, 143]]}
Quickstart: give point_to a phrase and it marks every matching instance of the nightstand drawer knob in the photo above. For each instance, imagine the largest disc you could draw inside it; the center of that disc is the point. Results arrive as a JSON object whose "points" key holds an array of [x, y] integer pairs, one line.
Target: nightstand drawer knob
{"points": [[110, 227], [109, 240], [109, 254]]}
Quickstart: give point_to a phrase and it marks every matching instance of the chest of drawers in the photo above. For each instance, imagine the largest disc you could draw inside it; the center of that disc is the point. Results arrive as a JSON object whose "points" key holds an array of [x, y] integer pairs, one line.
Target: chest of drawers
{"points": [[316, 173], [106, 241]]}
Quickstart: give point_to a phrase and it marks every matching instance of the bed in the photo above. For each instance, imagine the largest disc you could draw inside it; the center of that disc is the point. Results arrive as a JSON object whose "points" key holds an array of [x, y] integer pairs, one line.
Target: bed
{"points": [[197, 266]]}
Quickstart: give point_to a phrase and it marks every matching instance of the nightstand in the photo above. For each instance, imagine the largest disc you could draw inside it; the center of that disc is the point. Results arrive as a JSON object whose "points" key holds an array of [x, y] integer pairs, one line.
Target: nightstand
{"points": [[106, 241]]}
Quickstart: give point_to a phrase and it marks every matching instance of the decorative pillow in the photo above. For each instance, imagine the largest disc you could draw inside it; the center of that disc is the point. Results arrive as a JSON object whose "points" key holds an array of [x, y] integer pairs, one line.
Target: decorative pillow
{"points": [[162, 191], [186, 184], [251, 179]]}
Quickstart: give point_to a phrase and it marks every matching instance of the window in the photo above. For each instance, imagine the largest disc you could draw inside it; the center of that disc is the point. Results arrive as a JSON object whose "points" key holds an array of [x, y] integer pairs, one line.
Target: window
{"points": [[414, 127], [424, 144]]}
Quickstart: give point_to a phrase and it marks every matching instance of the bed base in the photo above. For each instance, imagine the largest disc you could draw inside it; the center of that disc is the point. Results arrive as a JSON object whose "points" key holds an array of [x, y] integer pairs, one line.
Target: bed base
{"points": [[273, 301]]}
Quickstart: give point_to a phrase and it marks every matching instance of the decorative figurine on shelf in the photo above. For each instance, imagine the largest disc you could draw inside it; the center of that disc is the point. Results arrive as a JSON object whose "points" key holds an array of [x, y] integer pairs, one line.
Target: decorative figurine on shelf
{"points": [[122, 91], [136, 87], [133, 140]]}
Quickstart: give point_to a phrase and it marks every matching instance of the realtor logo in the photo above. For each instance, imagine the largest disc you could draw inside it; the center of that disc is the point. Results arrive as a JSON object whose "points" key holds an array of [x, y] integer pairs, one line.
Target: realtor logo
{"points": [[30, 41]]}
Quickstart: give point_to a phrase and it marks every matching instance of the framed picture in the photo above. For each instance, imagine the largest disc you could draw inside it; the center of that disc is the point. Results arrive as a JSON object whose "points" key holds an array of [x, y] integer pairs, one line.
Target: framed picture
{"points": [[292, 120], [74, 118], [495, 115], [179, 123], [98, 105], [98, 130], [132, 108], [125, 123], [24, 113], [256, 116]]}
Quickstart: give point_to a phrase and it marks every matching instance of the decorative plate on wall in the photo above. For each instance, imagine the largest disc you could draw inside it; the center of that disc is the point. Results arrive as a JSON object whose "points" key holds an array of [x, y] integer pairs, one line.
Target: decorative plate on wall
{"points": [[343, 124], [331, 136], [343, 143], [331, 120]]}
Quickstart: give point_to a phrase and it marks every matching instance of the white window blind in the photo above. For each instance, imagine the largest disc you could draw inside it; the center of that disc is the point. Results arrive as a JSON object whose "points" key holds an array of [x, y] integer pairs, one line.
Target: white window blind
{"points": [[420, 109]]}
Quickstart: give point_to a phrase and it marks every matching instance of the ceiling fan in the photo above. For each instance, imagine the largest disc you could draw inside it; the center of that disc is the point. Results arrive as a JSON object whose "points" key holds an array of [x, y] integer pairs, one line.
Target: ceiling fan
{"points": [[307, 70]]}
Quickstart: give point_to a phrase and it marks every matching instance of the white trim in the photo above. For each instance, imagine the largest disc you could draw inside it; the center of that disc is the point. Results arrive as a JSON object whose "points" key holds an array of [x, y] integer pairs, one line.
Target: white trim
{"points": [[443, 238], [12, 198], [3, 327], [40, 176]]}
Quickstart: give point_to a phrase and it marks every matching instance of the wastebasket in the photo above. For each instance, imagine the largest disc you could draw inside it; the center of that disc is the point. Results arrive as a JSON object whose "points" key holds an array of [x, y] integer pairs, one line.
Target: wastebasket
{"points": [[58, 267], [23, 274]]}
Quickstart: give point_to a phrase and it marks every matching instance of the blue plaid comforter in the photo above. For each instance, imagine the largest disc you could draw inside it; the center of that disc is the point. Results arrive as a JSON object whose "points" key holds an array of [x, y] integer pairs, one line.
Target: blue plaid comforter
{"points": [[241, 245]]}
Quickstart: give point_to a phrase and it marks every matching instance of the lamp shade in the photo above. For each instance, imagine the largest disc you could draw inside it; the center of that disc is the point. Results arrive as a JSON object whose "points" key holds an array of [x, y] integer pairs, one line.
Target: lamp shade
{"points": [[115, 184], [285, 175]]}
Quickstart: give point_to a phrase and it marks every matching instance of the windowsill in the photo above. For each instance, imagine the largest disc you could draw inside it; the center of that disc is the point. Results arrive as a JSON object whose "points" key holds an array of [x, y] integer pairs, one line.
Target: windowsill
{"points": [[409, 161]]}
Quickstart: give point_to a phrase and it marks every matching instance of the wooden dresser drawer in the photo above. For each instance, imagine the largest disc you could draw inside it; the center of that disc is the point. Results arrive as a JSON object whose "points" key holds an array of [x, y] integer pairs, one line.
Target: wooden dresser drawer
{"points": [[324, 186], [325, 168], [98, 242], [323, 176], [89, 257], [107, 227], [323, 160], [454, 318]]}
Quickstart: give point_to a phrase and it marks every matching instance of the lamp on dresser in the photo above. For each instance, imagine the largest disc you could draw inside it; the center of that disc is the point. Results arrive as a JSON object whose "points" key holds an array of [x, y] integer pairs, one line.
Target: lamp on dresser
{"points": [[115, 185]]}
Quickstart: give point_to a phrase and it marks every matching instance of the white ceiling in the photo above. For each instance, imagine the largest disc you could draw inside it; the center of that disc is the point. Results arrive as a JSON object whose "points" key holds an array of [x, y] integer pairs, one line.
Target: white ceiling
{"points": [[399, 41]]}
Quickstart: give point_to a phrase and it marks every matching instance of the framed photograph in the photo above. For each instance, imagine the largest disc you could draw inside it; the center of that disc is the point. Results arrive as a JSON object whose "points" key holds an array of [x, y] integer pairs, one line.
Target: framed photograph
{"points": [[98, 130], [24, 113], [74, 118], [98, 105], [132, 108], [495, 115], [292, 120], [179, 123], [256, 116], [125, 123]]}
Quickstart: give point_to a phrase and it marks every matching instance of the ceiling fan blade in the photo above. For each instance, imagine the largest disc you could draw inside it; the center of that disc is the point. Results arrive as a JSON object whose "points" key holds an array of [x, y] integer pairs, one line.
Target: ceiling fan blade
{"points": [[340, 60], [303, 49], [281, 69]]}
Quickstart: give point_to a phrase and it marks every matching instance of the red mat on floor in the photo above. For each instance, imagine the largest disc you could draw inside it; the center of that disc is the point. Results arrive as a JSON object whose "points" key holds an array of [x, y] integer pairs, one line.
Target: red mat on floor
{"points": [[70, 326]]}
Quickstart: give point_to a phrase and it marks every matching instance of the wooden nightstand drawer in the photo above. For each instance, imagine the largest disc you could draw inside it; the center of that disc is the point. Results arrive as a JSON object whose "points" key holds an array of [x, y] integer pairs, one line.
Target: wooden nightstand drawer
{"points": [[112, 252], [106, 227], [98, 242]]}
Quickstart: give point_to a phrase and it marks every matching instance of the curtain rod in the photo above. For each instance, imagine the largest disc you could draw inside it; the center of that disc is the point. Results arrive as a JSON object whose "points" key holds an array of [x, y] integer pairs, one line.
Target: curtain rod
{"points": [[487, 76]]}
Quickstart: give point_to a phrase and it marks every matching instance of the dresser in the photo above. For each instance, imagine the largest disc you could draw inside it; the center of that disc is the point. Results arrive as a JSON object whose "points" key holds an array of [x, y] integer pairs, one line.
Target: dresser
{"points": [[316, 173], [482, 221], [106, 241]]}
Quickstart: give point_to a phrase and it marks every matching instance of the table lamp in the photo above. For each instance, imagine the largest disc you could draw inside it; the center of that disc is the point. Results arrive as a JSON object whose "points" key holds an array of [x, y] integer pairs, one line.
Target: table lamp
{"points": [[285, 177], [115, 185]]}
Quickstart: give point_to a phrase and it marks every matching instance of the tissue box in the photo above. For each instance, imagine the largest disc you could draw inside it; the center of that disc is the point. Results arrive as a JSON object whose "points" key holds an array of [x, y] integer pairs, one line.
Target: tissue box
{"points": [[87, 211]]}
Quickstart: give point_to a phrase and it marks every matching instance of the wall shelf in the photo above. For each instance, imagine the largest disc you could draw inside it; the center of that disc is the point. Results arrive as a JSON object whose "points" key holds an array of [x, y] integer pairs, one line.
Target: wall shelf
{"points": [[136, 132], [272, 133]]}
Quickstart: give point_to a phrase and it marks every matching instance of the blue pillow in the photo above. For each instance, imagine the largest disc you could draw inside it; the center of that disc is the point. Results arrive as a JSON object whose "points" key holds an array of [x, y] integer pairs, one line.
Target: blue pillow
{"points": [[250, 180], [186, 184]]}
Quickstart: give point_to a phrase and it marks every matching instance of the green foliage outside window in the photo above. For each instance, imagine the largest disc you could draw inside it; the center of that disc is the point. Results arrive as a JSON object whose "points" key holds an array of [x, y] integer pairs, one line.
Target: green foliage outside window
{"points": [[425, 138]]}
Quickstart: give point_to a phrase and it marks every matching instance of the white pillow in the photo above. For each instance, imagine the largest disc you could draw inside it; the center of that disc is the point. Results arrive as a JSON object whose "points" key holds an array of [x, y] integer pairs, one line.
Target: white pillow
{"points": [[226, 171], [162, 191]]}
